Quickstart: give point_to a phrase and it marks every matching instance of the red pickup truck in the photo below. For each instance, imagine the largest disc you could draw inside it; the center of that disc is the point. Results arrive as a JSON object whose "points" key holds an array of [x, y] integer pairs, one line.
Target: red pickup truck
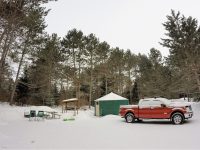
{"points": [[157, 108]]}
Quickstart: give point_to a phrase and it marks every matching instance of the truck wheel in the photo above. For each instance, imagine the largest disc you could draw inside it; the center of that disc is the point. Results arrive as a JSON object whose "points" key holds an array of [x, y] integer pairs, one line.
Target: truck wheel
{"points": [[129, 118], [177, 118]]}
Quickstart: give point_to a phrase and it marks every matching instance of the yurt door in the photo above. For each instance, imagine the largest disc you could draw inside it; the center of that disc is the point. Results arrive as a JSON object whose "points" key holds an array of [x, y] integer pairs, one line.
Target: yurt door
{"points": [[97, 108]]}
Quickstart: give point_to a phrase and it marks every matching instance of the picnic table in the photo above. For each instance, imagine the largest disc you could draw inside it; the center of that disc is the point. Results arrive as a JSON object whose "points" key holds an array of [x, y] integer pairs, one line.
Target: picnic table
{"points": [[53, 115], [43, 112]]}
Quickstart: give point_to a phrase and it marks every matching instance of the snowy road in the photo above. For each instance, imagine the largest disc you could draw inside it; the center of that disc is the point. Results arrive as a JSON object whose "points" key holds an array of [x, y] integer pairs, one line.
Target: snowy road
{"points": [[89, 132]]}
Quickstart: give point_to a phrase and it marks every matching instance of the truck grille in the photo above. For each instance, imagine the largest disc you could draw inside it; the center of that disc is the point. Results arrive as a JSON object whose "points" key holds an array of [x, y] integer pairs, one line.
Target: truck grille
{"points": [[190, 108]]}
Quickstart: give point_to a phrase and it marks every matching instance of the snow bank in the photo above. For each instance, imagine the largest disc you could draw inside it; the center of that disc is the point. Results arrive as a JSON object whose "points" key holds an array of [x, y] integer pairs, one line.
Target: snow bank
{"points": [[42, 108], [10, 113], [110, 117]]}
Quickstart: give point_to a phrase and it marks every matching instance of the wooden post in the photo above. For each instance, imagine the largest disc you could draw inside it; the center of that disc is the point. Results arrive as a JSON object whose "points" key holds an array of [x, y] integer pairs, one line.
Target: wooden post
{"points": [[62, 107], [66, 107], [75, 111], [77, 107]]}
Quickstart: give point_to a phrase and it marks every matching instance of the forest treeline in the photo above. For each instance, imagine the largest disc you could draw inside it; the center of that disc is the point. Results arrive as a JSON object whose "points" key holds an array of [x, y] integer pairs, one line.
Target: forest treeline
{"points": [[42, 69]]}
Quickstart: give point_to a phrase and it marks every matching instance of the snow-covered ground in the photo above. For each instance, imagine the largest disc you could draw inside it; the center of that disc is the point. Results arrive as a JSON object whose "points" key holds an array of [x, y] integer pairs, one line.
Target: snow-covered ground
{"points": [[90, 132]]}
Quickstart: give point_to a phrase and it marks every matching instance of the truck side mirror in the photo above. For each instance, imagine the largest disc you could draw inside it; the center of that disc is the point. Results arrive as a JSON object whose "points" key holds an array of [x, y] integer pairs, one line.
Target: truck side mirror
{"points": [[163, 105]]}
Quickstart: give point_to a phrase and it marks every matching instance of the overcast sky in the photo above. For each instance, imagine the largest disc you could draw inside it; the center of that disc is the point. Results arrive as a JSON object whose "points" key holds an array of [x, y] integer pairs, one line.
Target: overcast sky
{"points": [[127, 24]]}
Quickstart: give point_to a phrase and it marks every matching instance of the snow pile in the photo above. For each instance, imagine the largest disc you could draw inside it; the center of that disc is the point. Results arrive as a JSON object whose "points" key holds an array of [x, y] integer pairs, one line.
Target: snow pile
{"points": [[10, 113], [110, 117], [42, 108]]}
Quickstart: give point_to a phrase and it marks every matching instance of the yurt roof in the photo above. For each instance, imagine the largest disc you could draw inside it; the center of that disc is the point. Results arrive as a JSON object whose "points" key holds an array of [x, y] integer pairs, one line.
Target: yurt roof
{"points": [[111, 96]]}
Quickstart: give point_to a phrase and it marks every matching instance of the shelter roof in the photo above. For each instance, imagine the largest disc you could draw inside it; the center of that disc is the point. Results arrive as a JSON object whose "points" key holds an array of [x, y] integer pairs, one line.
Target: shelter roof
{"points": [[70, 100], [111, 96]]}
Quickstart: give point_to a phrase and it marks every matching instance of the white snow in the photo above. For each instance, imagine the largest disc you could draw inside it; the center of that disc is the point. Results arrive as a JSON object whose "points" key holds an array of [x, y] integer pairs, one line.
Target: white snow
{"points": [[41, 108], [180, 104], [111, 96], [181, 100], [128, 106], [70, 100], [163, 100], [90, 132]]}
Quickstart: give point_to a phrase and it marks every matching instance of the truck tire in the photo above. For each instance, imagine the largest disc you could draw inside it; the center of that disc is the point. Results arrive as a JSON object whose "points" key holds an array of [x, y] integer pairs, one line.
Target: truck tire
{"points": [[129, 118], [177, 118]]}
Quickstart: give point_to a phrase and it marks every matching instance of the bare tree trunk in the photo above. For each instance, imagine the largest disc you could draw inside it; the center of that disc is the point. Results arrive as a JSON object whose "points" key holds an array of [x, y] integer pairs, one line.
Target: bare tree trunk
{"points": [[106, 85], [91, 74], [90, 98], [79, 78], [74, 57], [2, 35], [129, 74], [75, 75], [119, 83], [6, 48], [3, 55], [16, 79]]}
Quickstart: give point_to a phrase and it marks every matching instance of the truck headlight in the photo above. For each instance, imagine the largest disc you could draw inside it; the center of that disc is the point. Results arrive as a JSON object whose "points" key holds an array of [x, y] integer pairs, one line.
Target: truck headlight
{"points": [[188, 108]]}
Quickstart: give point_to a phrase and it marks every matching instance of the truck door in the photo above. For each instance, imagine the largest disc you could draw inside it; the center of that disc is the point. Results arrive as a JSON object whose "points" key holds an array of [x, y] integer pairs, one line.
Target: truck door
{"points": [[144, 109], [157, 111]]}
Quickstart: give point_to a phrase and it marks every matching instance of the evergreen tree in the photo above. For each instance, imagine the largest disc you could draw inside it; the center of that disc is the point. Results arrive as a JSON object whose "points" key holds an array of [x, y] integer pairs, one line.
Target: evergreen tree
{"points": [[182, 39], [56, 95], [32, 26], [74, 47], [91, 50], [103, 53], [22, 89], [44, 71], [117, 65], [135, 94]]}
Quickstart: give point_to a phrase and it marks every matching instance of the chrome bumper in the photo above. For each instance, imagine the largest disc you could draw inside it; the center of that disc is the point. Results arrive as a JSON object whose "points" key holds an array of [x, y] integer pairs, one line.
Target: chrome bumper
{"points": [[188, 115]]}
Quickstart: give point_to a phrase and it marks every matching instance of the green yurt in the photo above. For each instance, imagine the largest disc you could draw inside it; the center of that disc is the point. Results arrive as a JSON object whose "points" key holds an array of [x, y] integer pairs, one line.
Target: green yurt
{"points": [[109, 104]]}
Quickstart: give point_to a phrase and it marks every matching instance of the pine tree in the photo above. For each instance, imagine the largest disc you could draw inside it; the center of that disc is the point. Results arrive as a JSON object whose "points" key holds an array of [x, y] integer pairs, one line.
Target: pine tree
{"points": [[22, 88], [74, 48], [91, 49], [182, 39], [135, 94]]}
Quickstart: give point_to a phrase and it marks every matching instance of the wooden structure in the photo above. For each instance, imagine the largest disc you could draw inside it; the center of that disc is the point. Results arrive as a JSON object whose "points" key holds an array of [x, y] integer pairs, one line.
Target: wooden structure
{"points": [[70, 104]]}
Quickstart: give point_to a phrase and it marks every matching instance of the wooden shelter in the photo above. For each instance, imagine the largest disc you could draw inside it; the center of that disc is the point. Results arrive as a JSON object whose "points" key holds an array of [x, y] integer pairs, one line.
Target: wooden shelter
{"points": [[69, 104]]}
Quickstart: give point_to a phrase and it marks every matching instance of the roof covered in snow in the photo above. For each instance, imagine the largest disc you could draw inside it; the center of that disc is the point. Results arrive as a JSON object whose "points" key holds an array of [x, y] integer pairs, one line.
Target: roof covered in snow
{"points": [[164, 100], [70, 100], [111, 96], [43, 108]]}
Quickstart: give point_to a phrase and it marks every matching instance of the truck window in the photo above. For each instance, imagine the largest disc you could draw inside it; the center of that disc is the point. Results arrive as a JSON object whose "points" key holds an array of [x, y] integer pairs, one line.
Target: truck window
{"points": [[156, 103], [144, 103]]}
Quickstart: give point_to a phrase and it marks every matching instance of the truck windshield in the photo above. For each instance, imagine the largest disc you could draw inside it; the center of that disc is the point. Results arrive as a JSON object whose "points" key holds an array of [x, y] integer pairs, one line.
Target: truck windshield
{"points": [[165, 101]]}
